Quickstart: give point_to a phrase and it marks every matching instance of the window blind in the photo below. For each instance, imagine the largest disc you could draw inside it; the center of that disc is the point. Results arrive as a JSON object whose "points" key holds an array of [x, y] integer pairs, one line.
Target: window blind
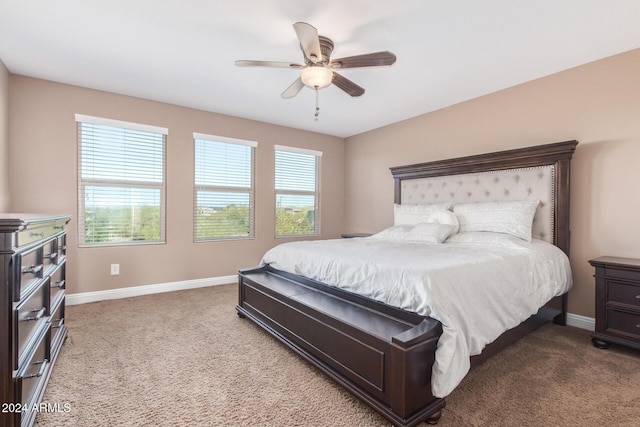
{"points": [[223, 188], [121, 182], [297, 191]]}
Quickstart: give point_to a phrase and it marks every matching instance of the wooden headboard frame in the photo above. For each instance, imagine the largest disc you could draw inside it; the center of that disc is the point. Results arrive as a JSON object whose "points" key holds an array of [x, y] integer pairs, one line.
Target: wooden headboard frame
{"points": [[557, 155]]}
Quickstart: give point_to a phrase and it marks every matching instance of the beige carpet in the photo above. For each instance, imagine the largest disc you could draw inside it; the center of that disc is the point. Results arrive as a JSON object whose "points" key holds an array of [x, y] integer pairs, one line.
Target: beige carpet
{"points": [[185, 359]]}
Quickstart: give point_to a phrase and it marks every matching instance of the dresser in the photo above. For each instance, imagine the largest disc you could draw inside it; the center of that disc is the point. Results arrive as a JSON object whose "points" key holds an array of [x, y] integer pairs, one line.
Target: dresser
{"points": [[617, 302], [32, 302]]}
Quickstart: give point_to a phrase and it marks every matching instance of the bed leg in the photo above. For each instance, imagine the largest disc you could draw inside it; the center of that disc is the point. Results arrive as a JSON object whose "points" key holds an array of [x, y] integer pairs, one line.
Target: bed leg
{"points": [[433, 419]]}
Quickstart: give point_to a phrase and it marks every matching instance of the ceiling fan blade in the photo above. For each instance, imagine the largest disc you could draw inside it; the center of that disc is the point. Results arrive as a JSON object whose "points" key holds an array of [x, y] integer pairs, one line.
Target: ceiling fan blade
{"points": [[309, 41], [347, 85], [375, 59], [293, 90], [276, 64]]}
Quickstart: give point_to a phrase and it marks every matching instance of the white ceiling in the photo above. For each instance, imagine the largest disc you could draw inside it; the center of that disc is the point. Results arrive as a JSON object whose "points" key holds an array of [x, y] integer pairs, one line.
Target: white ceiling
{"points": [[183, 52]]}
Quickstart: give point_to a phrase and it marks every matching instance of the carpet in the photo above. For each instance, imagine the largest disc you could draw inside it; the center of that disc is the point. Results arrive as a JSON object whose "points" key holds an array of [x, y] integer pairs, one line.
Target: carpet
{"points": [[186, 359]]}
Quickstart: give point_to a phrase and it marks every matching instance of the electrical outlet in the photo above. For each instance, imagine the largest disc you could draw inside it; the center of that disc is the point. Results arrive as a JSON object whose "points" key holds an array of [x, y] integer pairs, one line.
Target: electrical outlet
{"points": [[115, 269]]}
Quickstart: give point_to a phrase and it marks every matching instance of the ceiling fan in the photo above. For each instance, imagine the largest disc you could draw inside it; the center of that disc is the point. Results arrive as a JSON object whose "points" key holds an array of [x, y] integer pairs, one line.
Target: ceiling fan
{"points": [[318, 70]]}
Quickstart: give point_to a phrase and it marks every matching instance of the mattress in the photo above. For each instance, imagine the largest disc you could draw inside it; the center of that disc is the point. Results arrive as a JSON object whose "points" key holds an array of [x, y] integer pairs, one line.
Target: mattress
{"points": [[477, 284]]}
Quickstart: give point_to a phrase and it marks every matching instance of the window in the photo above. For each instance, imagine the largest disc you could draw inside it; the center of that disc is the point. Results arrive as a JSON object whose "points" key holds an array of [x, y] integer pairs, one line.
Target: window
{"points": [[121, 182], [297, 191], [223, 188]]}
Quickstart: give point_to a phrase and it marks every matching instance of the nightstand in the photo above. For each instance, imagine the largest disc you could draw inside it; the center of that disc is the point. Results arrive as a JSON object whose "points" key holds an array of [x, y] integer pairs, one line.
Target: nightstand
{"points": [[351, 235], [617, 302]]}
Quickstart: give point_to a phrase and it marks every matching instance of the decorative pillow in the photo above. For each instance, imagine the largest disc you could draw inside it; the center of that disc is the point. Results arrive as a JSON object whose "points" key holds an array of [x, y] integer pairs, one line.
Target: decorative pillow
{"points": [[418, 214], [397, 232], [515, 218], [429, 232]]}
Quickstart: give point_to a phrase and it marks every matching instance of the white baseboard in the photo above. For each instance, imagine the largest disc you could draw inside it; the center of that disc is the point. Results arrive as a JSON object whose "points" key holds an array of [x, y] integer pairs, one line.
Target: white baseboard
{"points": [[582, 322], [576, 320], [134, 291]]}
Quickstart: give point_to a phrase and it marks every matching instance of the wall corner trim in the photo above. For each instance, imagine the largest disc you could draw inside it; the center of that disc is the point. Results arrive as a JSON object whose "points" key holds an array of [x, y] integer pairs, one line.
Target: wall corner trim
{"points": [[134, 291]]}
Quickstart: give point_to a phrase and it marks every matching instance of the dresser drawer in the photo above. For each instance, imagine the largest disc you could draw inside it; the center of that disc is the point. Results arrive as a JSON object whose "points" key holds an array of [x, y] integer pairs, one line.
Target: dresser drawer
{"points": [[40, 231], [62, 247], [29, 319], [50, 255], [57, 284], [624, 293], [27, 272], [32, 376], [623, 324], [57, 322]]}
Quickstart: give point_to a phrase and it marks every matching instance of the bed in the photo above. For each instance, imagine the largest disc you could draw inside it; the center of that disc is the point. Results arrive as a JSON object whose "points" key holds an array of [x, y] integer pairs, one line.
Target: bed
{"points": [[390, 354]]}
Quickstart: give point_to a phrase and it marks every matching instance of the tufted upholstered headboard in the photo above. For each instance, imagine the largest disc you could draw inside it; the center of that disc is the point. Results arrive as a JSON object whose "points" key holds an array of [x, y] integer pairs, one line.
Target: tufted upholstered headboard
{"points": [[531, 173]]}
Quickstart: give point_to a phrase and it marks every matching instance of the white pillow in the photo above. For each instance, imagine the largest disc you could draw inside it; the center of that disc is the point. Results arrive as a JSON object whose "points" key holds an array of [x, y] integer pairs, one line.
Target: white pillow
{"points": [[397, 232], [419, 214], [429, 233], [515, 218]]}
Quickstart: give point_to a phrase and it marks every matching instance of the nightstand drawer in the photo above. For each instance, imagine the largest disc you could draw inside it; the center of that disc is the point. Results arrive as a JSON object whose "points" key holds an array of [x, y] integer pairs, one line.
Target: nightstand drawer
{"points": [[624, 324], [616, 272], [624, 293]]}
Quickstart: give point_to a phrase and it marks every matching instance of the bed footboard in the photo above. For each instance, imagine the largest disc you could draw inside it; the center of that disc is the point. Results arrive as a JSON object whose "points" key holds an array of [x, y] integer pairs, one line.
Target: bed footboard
{"points": [[381, 354]]}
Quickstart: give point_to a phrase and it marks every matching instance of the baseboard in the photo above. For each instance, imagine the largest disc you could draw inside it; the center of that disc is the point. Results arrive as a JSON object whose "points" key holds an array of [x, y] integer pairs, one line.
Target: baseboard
{"points": [[576, 320], [582, 322], [134, 291]]}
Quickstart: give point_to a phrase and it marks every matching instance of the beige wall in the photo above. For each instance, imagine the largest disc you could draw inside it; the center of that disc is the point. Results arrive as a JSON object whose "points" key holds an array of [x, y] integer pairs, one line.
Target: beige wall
{"points": [[4, 138], [598, 104], [43, 180]]}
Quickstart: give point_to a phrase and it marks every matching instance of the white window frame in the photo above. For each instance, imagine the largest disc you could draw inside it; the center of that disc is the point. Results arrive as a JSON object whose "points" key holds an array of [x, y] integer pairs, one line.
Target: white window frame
{"points": [[250, 191], [298, 192], [119, 182]]}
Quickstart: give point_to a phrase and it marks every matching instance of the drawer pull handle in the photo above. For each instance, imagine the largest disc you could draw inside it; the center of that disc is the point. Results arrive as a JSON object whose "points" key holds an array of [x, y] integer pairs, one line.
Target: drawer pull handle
{"points": [[638, 296], [58, 284], [39, 313], [60, 322], [34, 234], [58, 227], [52, 255], [32, 269], [638, 325], [43, 366]]}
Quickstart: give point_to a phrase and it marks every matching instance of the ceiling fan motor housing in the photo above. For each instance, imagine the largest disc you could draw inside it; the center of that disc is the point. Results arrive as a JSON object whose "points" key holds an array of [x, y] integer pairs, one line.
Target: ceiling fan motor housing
{"points": [[326, 47]]}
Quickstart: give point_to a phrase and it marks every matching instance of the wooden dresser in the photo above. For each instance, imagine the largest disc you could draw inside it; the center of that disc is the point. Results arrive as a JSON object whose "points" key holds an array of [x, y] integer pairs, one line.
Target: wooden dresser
{"points": [[32, 301], [617, 302]]}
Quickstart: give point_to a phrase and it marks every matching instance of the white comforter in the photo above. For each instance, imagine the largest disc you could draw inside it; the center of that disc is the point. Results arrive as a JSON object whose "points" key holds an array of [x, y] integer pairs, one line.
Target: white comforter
{"points": [[478, 285]]}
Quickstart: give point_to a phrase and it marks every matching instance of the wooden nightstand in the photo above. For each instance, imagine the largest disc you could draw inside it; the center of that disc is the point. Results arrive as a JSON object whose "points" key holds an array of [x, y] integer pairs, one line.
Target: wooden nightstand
{"points": [[352, 235], [617, 302]]}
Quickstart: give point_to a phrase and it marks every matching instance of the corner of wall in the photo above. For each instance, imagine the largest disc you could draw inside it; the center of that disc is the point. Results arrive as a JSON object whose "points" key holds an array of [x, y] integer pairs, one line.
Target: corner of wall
{"points": [[4, 137]]}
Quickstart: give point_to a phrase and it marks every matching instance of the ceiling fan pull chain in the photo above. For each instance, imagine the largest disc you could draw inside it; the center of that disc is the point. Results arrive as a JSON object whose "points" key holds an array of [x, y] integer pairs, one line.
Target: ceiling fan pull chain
{"points": [[317, 107]]}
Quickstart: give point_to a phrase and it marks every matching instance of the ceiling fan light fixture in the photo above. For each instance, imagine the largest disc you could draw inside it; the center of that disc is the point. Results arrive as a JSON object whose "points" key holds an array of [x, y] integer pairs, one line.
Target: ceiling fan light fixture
{"points": [[316, 77]]}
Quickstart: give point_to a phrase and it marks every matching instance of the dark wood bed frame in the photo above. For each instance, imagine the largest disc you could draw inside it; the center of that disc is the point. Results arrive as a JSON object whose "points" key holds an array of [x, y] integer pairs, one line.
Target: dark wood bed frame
{"points": [[382, 354]]}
